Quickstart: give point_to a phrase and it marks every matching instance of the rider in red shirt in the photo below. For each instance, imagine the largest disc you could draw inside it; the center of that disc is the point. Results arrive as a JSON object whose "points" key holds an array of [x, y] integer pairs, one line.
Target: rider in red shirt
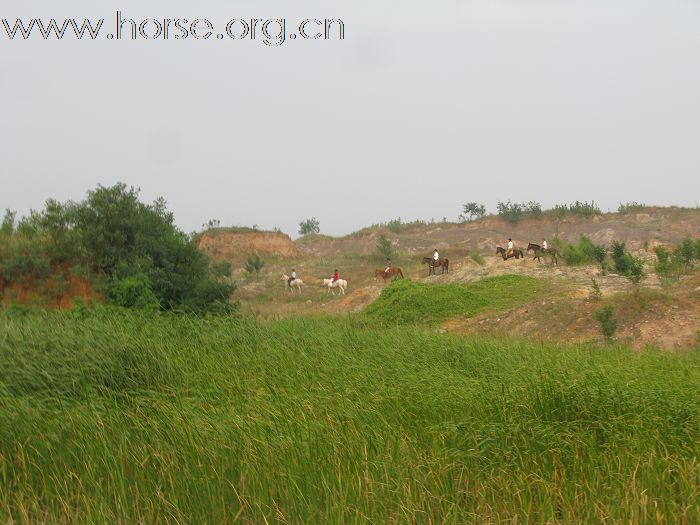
{"points": [[336, 276]]}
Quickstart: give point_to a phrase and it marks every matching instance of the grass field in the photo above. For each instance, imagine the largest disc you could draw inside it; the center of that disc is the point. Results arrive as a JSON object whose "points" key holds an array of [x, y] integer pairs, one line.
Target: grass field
{"points": [[115, 417], [407, 301]]}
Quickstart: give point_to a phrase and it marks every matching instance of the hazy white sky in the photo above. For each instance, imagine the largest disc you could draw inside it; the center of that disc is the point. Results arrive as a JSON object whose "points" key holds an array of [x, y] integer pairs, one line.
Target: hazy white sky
{"points": [[424, 106]]}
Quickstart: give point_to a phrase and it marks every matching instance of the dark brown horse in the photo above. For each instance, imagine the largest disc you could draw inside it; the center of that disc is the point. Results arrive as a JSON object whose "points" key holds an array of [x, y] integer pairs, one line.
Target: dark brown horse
{"points": [[432, 264], [538, 251], [517, 253], [391, 272]]}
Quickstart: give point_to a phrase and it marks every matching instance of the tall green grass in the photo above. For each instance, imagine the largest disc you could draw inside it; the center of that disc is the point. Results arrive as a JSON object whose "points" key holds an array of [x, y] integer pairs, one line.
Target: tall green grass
{"points": [[409, 301], [112, 417]]}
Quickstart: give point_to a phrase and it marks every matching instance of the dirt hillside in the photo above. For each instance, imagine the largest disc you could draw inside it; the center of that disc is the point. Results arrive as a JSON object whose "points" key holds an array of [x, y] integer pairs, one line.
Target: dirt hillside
{"points": [[653, 226], [236, 246]]}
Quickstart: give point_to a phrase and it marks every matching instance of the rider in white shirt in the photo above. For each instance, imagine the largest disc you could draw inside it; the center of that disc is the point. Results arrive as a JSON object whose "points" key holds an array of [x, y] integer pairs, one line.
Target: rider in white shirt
{"points": [[436, 256], [292, 277], [544, 244], [509, 252]]}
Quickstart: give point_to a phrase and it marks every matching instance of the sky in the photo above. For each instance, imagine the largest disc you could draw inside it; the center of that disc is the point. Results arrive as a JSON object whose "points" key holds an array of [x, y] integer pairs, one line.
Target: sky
{"points": [[422, 107]]}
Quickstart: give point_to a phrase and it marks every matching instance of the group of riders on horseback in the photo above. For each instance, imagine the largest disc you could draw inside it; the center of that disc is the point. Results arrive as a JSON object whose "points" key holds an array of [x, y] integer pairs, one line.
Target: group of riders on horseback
{"points": [[537, 249], [433, 262]]}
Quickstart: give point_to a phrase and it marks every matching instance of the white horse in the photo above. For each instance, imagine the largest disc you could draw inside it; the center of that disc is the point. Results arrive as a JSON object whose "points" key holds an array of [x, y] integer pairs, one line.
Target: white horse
{"points": [[296, 283], [342, 284]]}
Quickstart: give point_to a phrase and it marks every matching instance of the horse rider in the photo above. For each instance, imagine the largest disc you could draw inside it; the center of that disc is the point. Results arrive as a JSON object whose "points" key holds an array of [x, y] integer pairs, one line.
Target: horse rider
{"points": [[544, 244], [436, 257], [509, 251], [335, 277], [292, 277], [388, 265]]}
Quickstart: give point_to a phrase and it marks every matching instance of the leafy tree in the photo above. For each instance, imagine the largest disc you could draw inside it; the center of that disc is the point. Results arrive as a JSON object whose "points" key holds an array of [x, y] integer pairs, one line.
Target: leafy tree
{"points": [[471, 210], [8, 223], [622, 260], [253, 264], [626, 264], [533, 209], [636, 272], [510, 211], [312, 225], [113, 234], [384, 247]]}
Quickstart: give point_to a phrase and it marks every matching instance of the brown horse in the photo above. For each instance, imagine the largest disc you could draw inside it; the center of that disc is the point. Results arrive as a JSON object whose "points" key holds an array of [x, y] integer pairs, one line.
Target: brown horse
{"points": [[432, 264], [517, 253], [391, 272], [538, 250]]}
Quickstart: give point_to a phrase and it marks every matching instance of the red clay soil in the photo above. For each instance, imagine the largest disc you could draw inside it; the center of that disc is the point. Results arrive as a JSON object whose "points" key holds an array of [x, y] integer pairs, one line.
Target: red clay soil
{"points": [[47, 294]]}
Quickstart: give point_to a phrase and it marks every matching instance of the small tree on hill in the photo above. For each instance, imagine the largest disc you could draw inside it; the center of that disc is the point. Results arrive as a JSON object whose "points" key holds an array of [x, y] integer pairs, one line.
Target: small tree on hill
{"points": [[608, 323], [510, 211], [384, 247], [8, 223], [312, 225], [254, 264], [471, 210], [636, 271]]}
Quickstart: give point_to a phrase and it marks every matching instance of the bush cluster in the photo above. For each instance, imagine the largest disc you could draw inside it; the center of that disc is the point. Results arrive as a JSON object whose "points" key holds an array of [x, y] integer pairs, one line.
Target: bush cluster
{"points": [[140, 256], [578, 208], [672, 263], [514, 212]]}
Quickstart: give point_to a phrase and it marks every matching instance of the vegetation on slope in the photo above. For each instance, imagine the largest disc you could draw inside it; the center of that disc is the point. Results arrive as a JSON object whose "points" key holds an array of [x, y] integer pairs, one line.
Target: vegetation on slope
{"points": [[134, 249], [124, 417], [407, 302]]}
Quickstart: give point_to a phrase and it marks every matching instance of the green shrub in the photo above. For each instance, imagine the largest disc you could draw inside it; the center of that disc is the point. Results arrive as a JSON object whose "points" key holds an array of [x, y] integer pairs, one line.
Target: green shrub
{"points": [[580, 209], [384, 247], [394, 225], [7, 228], [583, 252], [636, 272], [253, 264], [312, 225], [514, 212], [510, 211], [631, 207], [608, 323], [664, 265], [596, 293], [133, 292], [622, 259]]}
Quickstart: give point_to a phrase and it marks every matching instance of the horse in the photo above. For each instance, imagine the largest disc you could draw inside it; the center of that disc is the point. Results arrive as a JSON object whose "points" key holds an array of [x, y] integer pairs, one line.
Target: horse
{"points": [[517, 253], [432, 264], [296, 283], [342, 284], [391, 272], [537, 250]]}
